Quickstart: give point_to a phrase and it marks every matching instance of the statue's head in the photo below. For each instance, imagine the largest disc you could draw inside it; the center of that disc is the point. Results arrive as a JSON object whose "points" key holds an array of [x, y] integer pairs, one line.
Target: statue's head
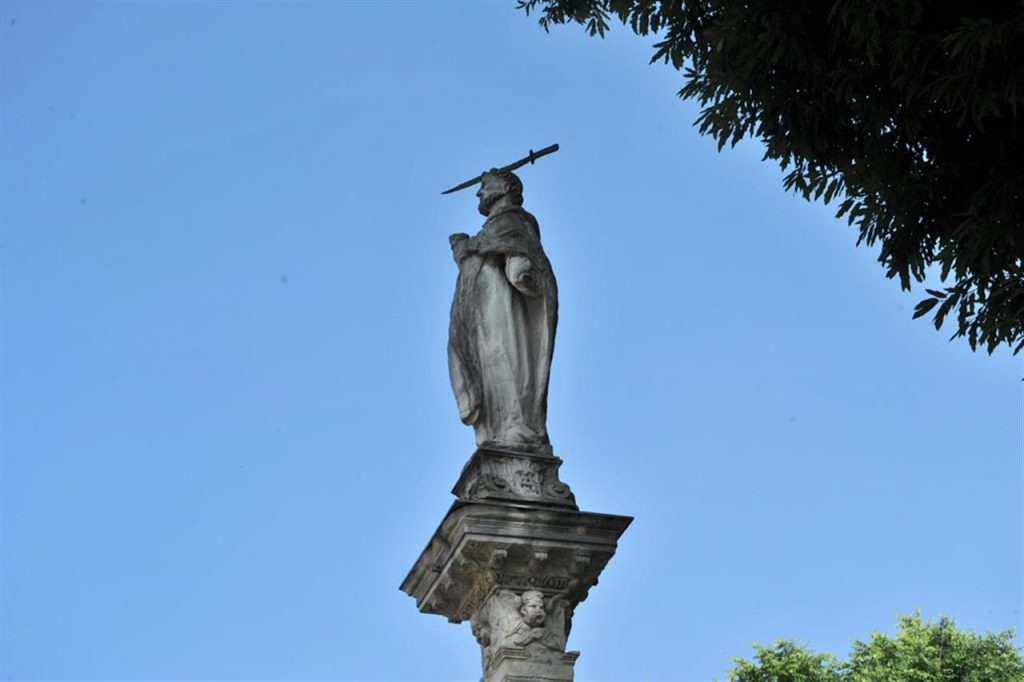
{"points": [[481, 631], [532, 609], [496, 184]]}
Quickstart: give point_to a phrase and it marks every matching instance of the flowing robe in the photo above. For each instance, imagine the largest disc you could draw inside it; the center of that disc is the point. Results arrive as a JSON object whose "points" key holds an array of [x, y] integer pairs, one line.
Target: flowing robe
{"points": [[502, 333]]}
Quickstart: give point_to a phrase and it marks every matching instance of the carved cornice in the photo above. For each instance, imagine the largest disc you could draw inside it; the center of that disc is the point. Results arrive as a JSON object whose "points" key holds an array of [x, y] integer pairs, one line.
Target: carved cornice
{"points": [[481, 547]]}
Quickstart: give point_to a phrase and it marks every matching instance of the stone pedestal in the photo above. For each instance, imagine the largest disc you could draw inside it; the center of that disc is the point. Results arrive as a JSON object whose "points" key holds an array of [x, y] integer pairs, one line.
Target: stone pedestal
{"points": [[513, 665], [514, 556]]}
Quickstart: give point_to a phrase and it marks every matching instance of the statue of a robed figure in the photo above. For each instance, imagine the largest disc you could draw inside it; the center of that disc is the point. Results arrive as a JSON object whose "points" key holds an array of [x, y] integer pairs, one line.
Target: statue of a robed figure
{"points": [[514, 555], [503, 319]]}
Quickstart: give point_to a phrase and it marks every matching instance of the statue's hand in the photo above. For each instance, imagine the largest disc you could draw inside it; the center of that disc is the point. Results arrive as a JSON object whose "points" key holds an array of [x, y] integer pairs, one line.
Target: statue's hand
{"points": [[520, 274], [461, 246]]}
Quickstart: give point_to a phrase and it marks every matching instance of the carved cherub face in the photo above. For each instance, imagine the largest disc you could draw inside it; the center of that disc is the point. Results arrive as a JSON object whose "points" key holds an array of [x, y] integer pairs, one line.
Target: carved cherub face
{"points": [[481, 632], [491, 189], [533, 609]]}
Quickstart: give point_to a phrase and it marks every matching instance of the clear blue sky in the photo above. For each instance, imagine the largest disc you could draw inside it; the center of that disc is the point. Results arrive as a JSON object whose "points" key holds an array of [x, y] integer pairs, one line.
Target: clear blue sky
{"points": [[227, 430]]}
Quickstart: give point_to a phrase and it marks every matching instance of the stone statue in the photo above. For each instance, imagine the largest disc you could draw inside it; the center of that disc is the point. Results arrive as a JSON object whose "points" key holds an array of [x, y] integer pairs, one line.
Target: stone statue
{"points": [[515, 555], [503, 319]]}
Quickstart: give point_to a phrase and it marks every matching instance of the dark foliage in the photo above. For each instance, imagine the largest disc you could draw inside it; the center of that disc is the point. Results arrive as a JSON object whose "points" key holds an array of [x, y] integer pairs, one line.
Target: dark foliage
{"points": [[907, 113]]}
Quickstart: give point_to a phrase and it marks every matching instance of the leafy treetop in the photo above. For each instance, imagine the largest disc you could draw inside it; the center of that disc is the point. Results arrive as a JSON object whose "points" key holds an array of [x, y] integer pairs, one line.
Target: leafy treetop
{"points": [[906, 112], [921, 651]]}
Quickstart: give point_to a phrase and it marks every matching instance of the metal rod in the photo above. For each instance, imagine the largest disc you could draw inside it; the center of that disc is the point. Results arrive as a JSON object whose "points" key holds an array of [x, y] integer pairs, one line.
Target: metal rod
{"points": [[530, 158]]}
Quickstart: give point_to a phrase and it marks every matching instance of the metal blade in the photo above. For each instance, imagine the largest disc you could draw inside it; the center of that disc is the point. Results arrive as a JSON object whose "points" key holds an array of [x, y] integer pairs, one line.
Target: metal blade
{"points": [[532, 157]]}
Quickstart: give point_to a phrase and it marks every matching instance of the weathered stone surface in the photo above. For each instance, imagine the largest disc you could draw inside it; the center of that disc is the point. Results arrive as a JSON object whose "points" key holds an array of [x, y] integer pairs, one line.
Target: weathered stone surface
{"points": [[482, 547], [509, 476], [517, 573], [521, 626], [514, 555], [503, 318], [519, 665]]}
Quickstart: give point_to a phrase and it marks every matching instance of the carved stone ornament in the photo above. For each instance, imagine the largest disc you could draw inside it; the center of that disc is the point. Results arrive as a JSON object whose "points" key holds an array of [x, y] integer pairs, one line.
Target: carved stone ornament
{"points": [[528, 622], [495, 474], [485, 547]]}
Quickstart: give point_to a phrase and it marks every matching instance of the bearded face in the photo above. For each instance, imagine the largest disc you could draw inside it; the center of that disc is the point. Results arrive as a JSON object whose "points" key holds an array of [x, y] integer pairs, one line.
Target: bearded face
{"points": [[533, 609], [491, 189]]}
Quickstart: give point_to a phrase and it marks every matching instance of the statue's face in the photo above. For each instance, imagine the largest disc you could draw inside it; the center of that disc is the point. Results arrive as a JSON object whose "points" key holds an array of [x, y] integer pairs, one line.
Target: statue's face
{"points": [[491, 189], [533, 611]]}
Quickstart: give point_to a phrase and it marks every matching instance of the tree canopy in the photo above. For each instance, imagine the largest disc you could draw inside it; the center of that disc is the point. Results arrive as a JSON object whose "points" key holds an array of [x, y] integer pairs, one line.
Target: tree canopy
{"points": [[921, 651], [905, 112]]}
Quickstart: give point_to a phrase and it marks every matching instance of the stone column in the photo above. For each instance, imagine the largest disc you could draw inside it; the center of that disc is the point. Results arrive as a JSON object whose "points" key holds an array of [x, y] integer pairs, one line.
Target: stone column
{"points": [[514, 556]]}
